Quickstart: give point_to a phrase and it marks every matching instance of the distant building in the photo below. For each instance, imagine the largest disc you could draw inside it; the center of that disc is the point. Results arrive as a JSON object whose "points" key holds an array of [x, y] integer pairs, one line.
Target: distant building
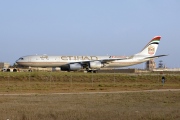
{"points": [[150, 65], [4, 65], [161, 64]]}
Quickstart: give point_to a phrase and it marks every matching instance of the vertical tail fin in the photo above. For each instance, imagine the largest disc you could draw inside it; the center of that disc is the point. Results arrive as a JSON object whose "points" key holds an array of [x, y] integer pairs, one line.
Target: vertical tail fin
{"points": [[151, 47]]}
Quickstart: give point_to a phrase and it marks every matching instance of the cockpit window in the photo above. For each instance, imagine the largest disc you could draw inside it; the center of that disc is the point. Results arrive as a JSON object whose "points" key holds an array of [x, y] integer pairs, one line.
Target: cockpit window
{"points": [[21, 58]]}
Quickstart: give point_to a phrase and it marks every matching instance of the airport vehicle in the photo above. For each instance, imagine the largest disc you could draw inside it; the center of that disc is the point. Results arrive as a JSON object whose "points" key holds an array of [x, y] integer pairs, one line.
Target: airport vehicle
{"points": [[92, 63]]}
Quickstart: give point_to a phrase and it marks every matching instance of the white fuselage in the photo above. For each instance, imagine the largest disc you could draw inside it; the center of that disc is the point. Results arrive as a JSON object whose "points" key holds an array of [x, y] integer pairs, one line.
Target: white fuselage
{"points": [[92, 62], [57, 61]]}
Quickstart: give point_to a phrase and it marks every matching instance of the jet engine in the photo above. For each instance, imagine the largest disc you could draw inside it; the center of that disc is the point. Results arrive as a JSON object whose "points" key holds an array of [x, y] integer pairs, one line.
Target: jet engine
{"points": [[71, 67], [95, 65]]}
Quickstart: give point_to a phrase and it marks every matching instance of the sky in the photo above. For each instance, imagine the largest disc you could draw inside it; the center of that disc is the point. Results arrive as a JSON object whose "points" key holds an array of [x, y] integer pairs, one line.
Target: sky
{"points": [[88, 27]]}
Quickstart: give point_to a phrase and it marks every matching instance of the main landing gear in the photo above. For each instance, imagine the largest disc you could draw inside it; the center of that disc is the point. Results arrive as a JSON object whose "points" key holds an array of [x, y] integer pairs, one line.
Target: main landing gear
{"points": [[92, 71]]}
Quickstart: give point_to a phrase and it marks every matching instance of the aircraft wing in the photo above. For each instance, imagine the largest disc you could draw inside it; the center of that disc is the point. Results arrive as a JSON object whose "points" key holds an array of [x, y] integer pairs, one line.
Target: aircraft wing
{"points": [[111, 60], [102, 61], [157, 56]]}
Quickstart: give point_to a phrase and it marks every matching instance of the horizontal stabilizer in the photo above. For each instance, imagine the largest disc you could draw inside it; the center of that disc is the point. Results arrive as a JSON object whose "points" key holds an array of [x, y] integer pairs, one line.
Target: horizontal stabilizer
{"points": [[157, 56]]}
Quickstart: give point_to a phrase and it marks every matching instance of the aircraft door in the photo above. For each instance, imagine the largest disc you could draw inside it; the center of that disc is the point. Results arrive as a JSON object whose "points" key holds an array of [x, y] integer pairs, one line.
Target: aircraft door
{"points": [[57, 59], [29, 59]]}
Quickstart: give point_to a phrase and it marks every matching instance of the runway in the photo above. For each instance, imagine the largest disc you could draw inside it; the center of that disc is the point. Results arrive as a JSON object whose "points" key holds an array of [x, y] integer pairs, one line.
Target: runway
{"points": [[86, 93]]}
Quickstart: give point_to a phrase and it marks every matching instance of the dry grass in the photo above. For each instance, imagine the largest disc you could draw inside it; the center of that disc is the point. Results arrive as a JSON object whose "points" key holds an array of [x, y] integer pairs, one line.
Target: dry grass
{"points": [[108, 106], [49, 82]]}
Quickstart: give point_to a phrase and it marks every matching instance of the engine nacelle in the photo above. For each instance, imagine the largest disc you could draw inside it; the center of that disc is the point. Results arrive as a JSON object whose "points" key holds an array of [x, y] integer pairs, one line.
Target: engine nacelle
{"points": [[71, 67], [95, 65], [75, 66]]}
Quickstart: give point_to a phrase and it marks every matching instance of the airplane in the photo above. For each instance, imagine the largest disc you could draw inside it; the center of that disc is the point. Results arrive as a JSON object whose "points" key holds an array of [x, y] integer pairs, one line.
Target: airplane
{"points": [[92, 63]]}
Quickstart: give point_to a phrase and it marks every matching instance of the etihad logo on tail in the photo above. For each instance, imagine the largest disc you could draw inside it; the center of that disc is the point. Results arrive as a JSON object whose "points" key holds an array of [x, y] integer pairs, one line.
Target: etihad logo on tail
{"points": [[151, 50]]}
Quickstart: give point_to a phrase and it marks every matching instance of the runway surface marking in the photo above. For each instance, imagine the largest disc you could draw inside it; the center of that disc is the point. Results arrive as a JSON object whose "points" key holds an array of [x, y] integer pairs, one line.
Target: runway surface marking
{"points": [[78, 93]]}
